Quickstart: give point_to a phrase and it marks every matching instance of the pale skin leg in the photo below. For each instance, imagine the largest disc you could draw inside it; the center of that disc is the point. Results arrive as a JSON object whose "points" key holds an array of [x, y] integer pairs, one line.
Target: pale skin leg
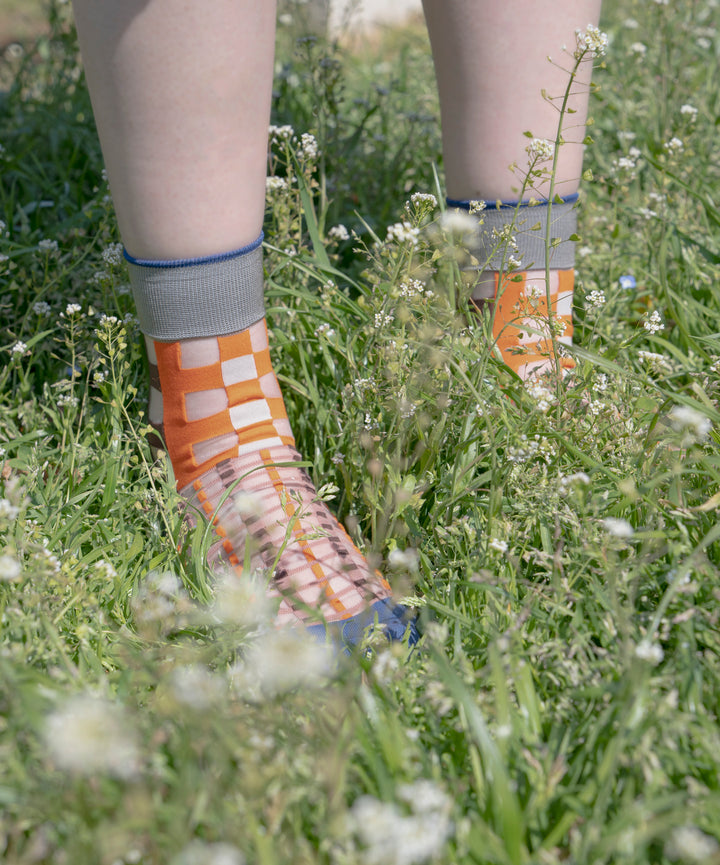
{"points": [[491, 62], [491, 65], [181, 93]]}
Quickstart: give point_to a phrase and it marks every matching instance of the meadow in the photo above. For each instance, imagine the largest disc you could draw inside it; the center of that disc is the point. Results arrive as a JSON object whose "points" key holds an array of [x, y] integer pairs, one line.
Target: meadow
{"points": [[560, 544]]}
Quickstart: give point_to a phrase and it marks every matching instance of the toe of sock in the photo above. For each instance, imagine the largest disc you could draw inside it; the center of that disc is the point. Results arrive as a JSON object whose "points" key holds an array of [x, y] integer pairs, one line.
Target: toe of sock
{"points": [[394, 621]]}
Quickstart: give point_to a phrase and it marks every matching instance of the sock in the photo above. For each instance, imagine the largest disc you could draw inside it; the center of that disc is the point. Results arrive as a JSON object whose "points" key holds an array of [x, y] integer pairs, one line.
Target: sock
{"points": [[509, 257], [217, 405]]}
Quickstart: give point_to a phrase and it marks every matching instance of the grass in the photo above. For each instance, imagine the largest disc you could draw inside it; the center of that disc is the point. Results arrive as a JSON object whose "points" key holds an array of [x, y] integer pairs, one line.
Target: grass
{"points": [[562, 552]]}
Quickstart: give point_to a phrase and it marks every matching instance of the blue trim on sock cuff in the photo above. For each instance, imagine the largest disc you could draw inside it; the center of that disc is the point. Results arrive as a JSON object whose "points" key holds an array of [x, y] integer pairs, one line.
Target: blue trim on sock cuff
{"points": [[189, 262], [394, 620], [493, 204]]}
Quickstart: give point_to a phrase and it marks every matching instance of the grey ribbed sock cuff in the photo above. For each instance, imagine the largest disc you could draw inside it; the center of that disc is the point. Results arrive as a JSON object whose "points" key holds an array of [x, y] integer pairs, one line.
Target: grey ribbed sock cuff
{"points": [[211, 296], [530, 227]]}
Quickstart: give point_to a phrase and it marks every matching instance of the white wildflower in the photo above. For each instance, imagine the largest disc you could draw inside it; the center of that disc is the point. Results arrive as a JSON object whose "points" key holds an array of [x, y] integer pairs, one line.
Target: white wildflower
{"points": [[689, 111], [407, 560], [48, 246], [325, 330], [8, 510], [650, 652], [279, 660], [41, 308], [674, 145], [402, 232], [281, 133], [458, 222], [638, 48], [338, 233], [618, 527], [686, 419], [411, 288], [9, 568], [540, 150], [275, 184], [391, 838], [382, 319], [88, 735], [112, 255], [158, 598], [72, 308], [195, 686], [596, 298], [498, 545], [543, 397], [423, 198], [689, 844], [653, 323], [242, 600], [209, 853], [67, 399], [590, 41], [308, 149], [20, 348]]}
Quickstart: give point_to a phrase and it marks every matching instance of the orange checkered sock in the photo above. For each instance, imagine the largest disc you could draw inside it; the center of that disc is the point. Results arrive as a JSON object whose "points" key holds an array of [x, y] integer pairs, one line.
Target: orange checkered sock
{"points": [[531, 310], [522, 328], [216, 404]]}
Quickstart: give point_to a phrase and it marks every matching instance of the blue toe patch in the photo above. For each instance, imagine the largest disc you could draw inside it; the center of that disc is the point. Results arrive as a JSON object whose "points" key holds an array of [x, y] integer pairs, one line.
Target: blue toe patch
{"points": [[394, 620]]}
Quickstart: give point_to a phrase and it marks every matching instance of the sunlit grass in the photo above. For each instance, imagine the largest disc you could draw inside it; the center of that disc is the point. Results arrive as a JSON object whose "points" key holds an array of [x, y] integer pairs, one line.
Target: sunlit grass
{"points": [[561, 547]]}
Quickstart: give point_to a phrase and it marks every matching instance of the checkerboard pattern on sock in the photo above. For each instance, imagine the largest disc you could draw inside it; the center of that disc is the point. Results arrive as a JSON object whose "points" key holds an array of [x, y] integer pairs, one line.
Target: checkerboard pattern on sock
{"points": [[521, 326], [216, 404], [531, 314]]}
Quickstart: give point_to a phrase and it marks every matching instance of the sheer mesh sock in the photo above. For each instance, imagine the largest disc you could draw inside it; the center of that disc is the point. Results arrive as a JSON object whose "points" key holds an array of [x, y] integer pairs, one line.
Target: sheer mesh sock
{"points": [[218, 407], [521, 326]]}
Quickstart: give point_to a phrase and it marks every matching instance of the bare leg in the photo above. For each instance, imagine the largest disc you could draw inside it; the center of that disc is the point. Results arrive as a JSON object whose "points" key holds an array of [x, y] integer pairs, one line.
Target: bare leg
{"points": [[491, 60], [181, 95], [491, 64]]}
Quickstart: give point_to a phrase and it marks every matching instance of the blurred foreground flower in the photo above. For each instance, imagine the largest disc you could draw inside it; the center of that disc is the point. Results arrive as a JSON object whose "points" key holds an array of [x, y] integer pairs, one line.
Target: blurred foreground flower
{"points": [[89, 735]]}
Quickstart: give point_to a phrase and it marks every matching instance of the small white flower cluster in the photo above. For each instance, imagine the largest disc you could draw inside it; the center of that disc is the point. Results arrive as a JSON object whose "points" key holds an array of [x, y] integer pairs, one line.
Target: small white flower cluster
{"points": [[48, 246], [8, 510], [421, 199], [9, 568], [543, 397], [404, 560], [325, 330], [338, 233], [627, 164], [19, 349], [41, 308], [112, 255], [72, 309], [658, 362], [689, 111], [498, 545], [280, 133], [674, 146], [540, 150], [199, 852], [639, 49], [695, 425], [653, 323], [194, 686], [390, 836], [67, 399], [650, 652], [689, 844], [308, 149], [537, 446], [596, 298], [567, 482], [402, 232], [382, 319], [618, 527], [590, 41], [275, 184], [88, 734], [411, 288]]}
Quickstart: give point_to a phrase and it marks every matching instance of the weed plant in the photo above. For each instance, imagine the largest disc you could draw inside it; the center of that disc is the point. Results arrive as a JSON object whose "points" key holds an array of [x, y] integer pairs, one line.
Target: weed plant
{"points": [[558, 542]]}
